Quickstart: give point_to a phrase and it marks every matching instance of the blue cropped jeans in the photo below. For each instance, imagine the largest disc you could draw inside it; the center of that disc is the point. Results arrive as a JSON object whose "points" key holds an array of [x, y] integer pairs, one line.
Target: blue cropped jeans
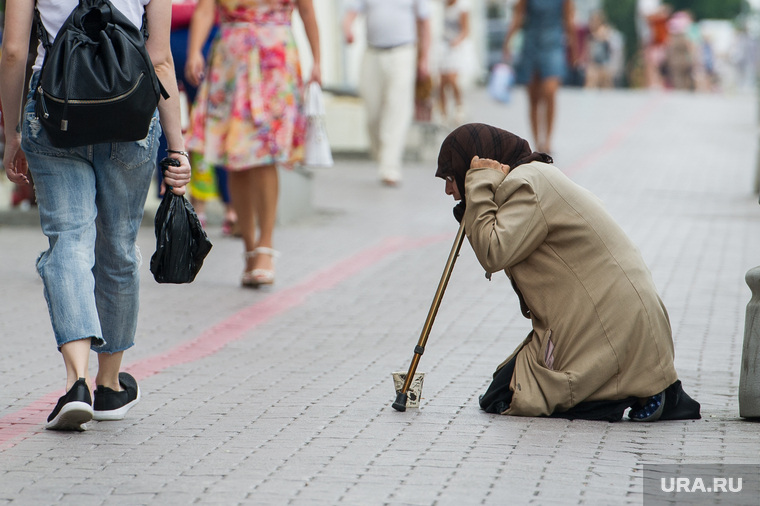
{"points": [[91, 201]]}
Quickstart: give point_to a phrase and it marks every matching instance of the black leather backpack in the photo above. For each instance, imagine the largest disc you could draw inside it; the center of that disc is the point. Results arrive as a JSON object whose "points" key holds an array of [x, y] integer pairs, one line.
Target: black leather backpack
{"points": [[97, 82]]}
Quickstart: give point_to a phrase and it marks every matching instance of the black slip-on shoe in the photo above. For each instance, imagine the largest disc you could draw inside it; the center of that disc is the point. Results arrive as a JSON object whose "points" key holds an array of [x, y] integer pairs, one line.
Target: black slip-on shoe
{"points": [[73, 409], [112, 405], [679, 405]]}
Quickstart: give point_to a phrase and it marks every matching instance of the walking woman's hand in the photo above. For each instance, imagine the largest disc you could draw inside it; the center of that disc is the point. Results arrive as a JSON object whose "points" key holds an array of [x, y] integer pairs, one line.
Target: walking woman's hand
{"points": [[316, 74], [176, 177], [194, 68], [14, 160]]}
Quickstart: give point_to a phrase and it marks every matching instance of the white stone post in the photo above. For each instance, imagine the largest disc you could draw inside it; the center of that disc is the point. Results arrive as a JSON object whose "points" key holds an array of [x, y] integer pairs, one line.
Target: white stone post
{"points": [[749, 380]]}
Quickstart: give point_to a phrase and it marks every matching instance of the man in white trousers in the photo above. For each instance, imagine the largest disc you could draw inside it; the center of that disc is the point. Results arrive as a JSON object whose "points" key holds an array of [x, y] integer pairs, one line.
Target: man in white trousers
{"points": [[398, 42]]}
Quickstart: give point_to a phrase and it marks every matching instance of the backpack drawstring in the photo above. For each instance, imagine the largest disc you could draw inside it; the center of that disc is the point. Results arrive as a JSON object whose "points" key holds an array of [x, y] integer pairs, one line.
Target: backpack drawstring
{"points": [[66, 80]]}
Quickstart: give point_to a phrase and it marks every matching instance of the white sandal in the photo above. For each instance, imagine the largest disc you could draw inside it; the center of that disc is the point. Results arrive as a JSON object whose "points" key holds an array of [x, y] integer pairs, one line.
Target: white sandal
{"points": [[258, 277]]}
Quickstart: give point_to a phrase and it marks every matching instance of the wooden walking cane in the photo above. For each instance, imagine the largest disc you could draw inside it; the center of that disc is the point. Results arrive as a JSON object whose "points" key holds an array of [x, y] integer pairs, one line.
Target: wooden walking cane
{"points": [[401, 395]]}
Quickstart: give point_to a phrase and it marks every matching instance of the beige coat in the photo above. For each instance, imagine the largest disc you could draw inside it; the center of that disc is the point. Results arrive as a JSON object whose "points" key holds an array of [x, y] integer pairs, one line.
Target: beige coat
{"points": [[600, 330]]}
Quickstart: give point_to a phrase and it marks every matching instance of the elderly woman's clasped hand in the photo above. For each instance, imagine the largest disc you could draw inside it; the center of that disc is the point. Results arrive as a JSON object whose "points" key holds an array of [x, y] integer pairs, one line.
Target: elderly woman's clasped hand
{"points": [[487, 163]]}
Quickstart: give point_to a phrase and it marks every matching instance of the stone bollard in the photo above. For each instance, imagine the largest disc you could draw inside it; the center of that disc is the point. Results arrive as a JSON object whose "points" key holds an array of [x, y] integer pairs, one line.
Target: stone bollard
{"points": [[749, 380]]}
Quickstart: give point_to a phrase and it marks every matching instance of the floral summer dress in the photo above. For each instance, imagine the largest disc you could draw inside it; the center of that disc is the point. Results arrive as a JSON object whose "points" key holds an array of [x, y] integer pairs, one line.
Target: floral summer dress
{"points": [[249, 108]]}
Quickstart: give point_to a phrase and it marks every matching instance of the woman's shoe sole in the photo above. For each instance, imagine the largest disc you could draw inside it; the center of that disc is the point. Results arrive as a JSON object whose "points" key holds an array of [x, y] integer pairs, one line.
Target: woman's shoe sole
{"points": [[257, 278], [656, 414], [72, 416]]}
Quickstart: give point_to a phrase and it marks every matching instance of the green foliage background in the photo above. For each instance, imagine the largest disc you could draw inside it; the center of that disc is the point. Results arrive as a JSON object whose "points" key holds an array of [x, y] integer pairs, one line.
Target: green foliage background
{"points": [[709, 9]]}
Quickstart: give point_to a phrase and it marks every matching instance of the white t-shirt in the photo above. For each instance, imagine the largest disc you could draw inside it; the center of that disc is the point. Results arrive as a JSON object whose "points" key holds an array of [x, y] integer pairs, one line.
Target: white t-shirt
{"points": [[54, 12], [452, 19], [455, 59], [391, 23]]}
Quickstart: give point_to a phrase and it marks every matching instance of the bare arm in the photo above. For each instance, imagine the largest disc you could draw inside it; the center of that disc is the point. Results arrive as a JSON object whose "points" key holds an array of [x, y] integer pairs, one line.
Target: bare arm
{"points": [[518, 18], [423, 47], [347, 25], [18, 24], [309, 18], [464, 22], [200, 26], [569, 21], [159, 22]]}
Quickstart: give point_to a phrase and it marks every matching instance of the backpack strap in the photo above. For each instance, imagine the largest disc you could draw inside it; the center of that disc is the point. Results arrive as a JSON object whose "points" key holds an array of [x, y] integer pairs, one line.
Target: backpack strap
{"points": [[146, 34], [41, 32], [163, 91], [144, 27], [43, 35]]}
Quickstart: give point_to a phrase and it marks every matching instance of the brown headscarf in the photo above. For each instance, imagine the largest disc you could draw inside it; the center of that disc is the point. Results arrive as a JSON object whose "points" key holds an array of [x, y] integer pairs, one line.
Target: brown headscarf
{"points": [[485, 141]]}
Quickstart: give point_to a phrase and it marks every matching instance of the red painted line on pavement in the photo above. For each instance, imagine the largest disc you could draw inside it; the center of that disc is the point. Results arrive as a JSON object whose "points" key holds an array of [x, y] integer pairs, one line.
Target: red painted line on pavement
{"points": [[617, 136], [27, 421]]}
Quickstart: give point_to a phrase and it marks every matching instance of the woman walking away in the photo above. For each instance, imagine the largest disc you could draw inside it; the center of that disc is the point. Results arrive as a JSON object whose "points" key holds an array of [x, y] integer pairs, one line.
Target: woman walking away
{"points": [[248, 113], [91, 200], [548, 31]]}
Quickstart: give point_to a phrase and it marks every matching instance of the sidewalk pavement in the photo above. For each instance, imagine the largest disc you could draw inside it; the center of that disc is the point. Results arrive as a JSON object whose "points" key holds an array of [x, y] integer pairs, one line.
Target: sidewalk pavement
{"points": [[283, 395]]}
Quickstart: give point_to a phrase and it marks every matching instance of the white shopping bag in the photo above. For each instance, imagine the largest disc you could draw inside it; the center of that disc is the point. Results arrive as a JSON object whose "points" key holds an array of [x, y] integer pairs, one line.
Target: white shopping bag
{"points": [[500, 82], [184, 111], [317, 146]]}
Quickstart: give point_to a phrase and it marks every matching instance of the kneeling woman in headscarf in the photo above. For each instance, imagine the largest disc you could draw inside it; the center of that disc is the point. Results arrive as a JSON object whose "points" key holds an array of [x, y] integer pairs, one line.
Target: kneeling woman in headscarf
{"points": [[601, 341]]}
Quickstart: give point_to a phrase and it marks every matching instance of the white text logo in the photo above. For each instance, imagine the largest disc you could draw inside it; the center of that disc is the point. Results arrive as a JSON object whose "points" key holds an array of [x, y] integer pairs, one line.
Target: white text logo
{"points": [[698, 485]]}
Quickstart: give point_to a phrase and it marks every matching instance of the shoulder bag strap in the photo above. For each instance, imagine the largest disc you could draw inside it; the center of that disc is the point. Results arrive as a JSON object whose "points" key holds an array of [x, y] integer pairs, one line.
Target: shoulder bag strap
{"points": [[41, 32]]}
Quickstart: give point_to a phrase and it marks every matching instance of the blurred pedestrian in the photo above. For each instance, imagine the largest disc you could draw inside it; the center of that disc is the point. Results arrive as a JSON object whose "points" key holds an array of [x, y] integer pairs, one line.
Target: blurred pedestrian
{"points": [[708, 79], [208, 182], [745, 58], [681, 53], [652, 18], [453, 57], [248, 113], [601, 341], [599, 52], [548, 33], [398, 41], [91, 201]]}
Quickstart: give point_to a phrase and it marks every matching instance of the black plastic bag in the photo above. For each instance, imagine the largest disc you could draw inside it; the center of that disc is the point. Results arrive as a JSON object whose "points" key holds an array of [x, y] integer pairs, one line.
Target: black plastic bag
{"points": [[181, 242]]}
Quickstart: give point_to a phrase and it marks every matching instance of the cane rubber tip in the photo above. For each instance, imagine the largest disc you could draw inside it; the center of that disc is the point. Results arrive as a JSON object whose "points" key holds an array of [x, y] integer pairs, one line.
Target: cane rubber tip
{"points": [[400, 404]]}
